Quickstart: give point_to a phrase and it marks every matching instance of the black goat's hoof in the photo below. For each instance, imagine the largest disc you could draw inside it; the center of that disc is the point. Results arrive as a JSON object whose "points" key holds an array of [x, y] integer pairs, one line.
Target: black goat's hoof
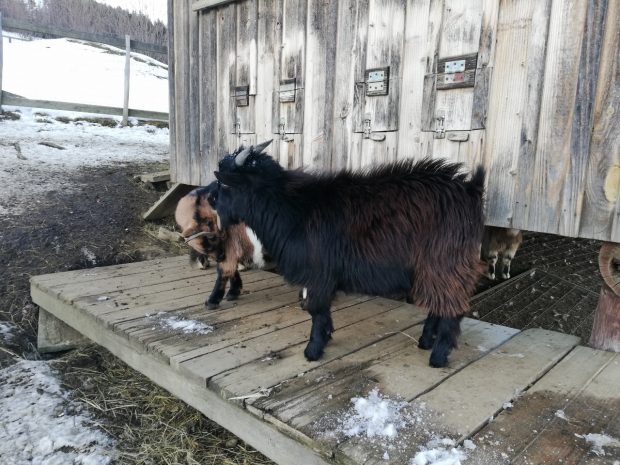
{"points": [[233, 296], [426, 343], [314, 351], [212, 305], [438, 360]]}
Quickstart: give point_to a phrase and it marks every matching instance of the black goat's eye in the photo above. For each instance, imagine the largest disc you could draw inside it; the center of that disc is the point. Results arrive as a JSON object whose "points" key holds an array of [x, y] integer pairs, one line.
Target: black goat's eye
{"points": [[253, 163]]}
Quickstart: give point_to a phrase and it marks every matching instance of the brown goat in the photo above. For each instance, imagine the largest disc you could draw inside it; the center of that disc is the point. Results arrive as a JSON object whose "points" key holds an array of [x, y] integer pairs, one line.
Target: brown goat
{"points": [[237, 245], [500, 242]]}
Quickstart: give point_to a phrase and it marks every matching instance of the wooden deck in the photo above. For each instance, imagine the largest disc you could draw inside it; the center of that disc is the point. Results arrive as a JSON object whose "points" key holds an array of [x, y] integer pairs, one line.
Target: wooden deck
{"points": [[250, 376]]}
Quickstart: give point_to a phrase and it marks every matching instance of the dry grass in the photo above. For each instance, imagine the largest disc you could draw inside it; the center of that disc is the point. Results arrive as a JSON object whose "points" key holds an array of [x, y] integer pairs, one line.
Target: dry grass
{"points": [[152, 426]]}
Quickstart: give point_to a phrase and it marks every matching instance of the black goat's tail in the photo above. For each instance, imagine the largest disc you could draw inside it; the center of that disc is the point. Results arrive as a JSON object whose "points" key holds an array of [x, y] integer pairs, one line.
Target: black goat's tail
{"points": [[476, 184]]}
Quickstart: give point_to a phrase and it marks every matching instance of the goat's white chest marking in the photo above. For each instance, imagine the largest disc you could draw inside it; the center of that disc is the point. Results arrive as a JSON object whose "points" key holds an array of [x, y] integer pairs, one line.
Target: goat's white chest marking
{"points": [[257, 256]]}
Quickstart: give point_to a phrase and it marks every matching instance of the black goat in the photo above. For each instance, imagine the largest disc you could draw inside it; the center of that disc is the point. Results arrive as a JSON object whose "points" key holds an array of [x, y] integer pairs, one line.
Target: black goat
{"points": [[408, 226]]}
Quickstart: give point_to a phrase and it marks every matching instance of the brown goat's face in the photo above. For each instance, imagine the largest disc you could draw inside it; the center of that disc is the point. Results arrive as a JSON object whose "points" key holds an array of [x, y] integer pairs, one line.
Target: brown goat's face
{"points": [[194, 215]]}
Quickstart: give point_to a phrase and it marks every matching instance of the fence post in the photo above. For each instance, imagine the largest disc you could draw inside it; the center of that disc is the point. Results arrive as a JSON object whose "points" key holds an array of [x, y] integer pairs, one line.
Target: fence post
{"points": [[126, 96], [1, 45]]}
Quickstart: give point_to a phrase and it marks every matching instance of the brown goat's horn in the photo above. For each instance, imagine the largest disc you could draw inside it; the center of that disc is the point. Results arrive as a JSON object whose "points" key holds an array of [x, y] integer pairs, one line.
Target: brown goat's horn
{"points": [[241, 156], [260, 147]]}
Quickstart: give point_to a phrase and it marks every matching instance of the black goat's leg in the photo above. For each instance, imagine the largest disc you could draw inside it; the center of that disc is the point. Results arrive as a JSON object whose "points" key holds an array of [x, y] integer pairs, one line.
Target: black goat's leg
{"points": [[303, 296], [448, 331], [235, 287], [218, 290], [322, 326], [429, 332]]}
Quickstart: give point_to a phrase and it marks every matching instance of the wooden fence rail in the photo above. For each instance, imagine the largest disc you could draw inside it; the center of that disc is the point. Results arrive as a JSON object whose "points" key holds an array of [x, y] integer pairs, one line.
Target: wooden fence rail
{"points": [[7, 98]]}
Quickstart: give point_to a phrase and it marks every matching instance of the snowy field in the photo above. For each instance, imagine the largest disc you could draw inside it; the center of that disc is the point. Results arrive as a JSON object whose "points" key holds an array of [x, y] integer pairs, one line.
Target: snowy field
{"points": [[68, 70], [44, 151]]}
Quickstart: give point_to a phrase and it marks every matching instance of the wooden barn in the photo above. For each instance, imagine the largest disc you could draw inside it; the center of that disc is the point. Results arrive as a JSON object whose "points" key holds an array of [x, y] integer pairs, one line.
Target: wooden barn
{"points": [[529, 88]]}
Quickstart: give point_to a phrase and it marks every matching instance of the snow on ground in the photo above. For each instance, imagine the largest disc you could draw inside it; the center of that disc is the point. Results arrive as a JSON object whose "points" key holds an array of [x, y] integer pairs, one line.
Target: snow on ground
{"points": [[68, 70], [6, 332], [39, 426], [441, 451], [177, 323], [599, 442], [374, 415], [29, 169]]}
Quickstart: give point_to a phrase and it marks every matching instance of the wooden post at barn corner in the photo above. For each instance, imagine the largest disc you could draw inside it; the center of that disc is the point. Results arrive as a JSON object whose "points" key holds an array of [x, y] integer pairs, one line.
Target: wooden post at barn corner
{"points": [[606, 328], [126, 94]]}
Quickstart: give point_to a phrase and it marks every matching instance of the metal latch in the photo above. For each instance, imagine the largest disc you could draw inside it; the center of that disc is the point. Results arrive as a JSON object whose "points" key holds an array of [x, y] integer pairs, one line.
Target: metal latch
{"points": [[377, 81], [368, 130], [282, 131], [287, 90], [238, 127], [440, 130], [241, 94]]}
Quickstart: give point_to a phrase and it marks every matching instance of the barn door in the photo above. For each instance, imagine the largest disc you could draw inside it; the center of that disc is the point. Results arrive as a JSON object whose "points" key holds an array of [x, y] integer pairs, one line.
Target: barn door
{"points": [[376, 99], [456, 89]]}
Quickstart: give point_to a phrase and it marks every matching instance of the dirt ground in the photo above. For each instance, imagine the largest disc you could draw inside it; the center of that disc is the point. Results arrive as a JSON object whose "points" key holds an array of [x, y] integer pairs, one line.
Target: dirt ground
{"points": [[97, 222]]}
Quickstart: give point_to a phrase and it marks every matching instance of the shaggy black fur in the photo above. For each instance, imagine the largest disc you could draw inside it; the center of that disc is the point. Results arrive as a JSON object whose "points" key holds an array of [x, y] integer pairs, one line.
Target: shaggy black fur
{"points": [[406, 226]]}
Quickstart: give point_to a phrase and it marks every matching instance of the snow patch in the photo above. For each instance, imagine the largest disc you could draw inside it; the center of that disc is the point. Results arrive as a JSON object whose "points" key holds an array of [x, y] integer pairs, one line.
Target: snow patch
{"points": [[599, 442], [176, 323], [374, 416], [561, 414], [6, 331], [89, 255], [440, 451], [37, 426], [507, 405]]}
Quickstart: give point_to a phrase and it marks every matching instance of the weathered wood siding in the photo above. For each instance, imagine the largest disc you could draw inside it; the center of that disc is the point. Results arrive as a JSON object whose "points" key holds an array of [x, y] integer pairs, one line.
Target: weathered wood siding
{"points": [[528, 88]]}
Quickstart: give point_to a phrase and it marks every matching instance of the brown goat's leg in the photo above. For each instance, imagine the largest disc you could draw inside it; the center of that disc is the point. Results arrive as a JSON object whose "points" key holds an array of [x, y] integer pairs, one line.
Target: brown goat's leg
{"points": [[448, 331], [322, 327], [427, 340], [235, 287], [218, 290], [491, 261]]}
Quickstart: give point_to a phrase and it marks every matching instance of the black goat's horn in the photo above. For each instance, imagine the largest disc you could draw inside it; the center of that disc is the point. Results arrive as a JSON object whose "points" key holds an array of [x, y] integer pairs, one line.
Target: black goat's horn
{"points": [[241, 156], [260, 147]]}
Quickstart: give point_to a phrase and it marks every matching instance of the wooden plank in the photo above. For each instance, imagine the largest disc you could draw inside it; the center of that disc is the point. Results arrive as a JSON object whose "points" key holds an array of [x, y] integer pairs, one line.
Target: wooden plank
{"points": [[415, 61], [19, 25], [386, 364], [553, 152], [181, 97], [209, 116], [361, 50], [93, 274], [464, 402], [18, 101], [171, 92], [226, 74], [522, 196], [582, 122], [246, 65], [484, 66], [1, 58], [517, 433], [602, 205], [292, 66], [429, 94], [167, 203], [346, 58], [268, 73], [320, 56], [194, 156], [518, 23], [255, 432], [157, 176], [207, 366], [54, 335]]}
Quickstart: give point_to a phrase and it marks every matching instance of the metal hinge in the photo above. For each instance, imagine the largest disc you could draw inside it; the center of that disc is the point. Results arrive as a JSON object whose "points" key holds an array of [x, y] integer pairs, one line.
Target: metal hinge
{"points": [[238, 127]]}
